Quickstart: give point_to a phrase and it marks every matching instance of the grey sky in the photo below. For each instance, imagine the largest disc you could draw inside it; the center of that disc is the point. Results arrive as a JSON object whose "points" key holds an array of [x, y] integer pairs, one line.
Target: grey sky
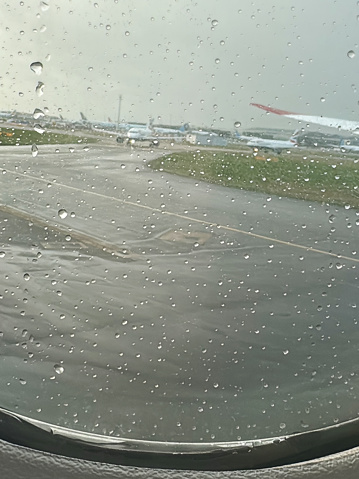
{"points": [[201, 62]]}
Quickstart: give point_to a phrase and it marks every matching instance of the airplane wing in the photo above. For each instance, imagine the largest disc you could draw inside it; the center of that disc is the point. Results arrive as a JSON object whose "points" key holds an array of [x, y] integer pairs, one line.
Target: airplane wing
{"points": [[347, 125]]}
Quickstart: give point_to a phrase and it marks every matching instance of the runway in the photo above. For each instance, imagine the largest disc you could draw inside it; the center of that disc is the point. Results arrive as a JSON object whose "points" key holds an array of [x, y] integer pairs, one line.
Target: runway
{"points": [[145, 305]]}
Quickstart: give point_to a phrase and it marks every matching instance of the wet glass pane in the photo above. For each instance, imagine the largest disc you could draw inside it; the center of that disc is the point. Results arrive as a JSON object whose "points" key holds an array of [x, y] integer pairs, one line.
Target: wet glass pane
{"points": [[179, 213]]}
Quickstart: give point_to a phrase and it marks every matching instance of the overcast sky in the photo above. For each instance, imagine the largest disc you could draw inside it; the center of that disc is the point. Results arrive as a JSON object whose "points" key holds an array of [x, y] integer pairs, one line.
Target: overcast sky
{"points": [[199, 61]]}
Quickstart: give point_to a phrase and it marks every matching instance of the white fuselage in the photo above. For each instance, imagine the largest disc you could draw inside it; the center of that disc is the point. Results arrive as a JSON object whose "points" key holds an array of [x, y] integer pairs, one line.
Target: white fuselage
{"points": [[271, 144], [348, 147], [140, 134]]}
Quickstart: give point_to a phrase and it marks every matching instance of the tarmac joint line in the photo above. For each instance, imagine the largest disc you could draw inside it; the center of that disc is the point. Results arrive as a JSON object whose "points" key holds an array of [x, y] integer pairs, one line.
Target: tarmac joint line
{"points": [[196, 220]]}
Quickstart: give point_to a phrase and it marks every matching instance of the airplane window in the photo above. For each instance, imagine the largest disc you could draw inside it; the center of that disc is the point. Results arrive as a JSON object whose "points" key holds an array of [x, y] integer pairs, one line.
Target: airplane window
{"points": [[179, 219]]}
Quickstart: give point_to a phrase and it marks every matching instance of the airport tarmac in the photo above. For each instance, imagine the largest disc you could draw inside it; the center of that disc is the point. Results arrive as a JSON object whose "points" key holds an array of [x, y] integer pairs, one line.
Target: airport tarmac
{"points": [[145, 305]]}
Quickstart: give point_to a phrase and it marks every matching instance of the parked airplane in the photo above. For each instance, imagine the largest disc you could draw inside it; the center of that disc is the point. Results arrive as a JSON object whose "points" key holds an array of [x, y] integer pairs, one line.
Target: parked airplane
{"points": [[347, 125], [171, 131], [346, 146], [240, 137], [275, 145], [152, 134], [7, 115], [108, 127]]}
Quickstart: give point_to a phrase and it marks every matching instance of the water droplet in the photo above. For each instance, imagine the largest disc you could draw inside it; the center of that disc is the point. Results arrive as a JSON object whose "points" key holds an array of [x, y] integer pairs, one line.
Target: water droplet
{"points": [[214, 23], [40, 88], [351, 54], [331, 218], [108, 27], [59, 369], [44, 6], [22, 381], [237, 124], [26, 276], [285, 352], [68, 238], [38, 113], [39, 129], [322, 99], [62, 213], [37, 67], [34, 150], [2, 254]]}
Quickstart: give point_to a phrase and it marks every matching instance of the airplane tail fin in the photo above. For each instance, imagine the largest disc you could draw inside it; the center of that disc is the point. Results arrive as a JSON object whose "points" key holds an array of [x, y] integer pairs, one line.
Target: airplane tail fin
{"points": [[184, 128], [83, 116]]}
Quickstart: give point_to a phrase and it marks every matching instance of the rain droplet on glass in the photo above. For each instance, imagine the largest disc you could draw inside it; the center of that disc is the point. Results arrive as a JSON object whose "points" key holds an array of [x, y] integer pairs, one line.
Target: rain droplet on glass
{"points": [[38, 113], [34, 150], [59, 369], [37, 67], [39, 129], [62, 213], [40, 88], [44, 6]]}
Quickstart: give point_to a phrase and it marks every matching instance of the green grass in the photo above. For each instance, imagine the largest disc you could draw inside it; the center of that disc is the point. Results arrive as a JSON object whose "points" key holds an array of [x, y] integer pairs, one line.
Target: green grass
{"points": [[294, 175], [18, 136]]}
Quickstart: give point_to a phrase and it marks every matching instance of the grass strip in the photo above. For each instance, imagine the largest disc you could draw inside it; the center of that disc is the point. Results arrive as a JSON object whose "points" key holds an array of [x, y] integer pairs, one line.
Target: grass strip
{"points": [[294, 176], [18, 136]]}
